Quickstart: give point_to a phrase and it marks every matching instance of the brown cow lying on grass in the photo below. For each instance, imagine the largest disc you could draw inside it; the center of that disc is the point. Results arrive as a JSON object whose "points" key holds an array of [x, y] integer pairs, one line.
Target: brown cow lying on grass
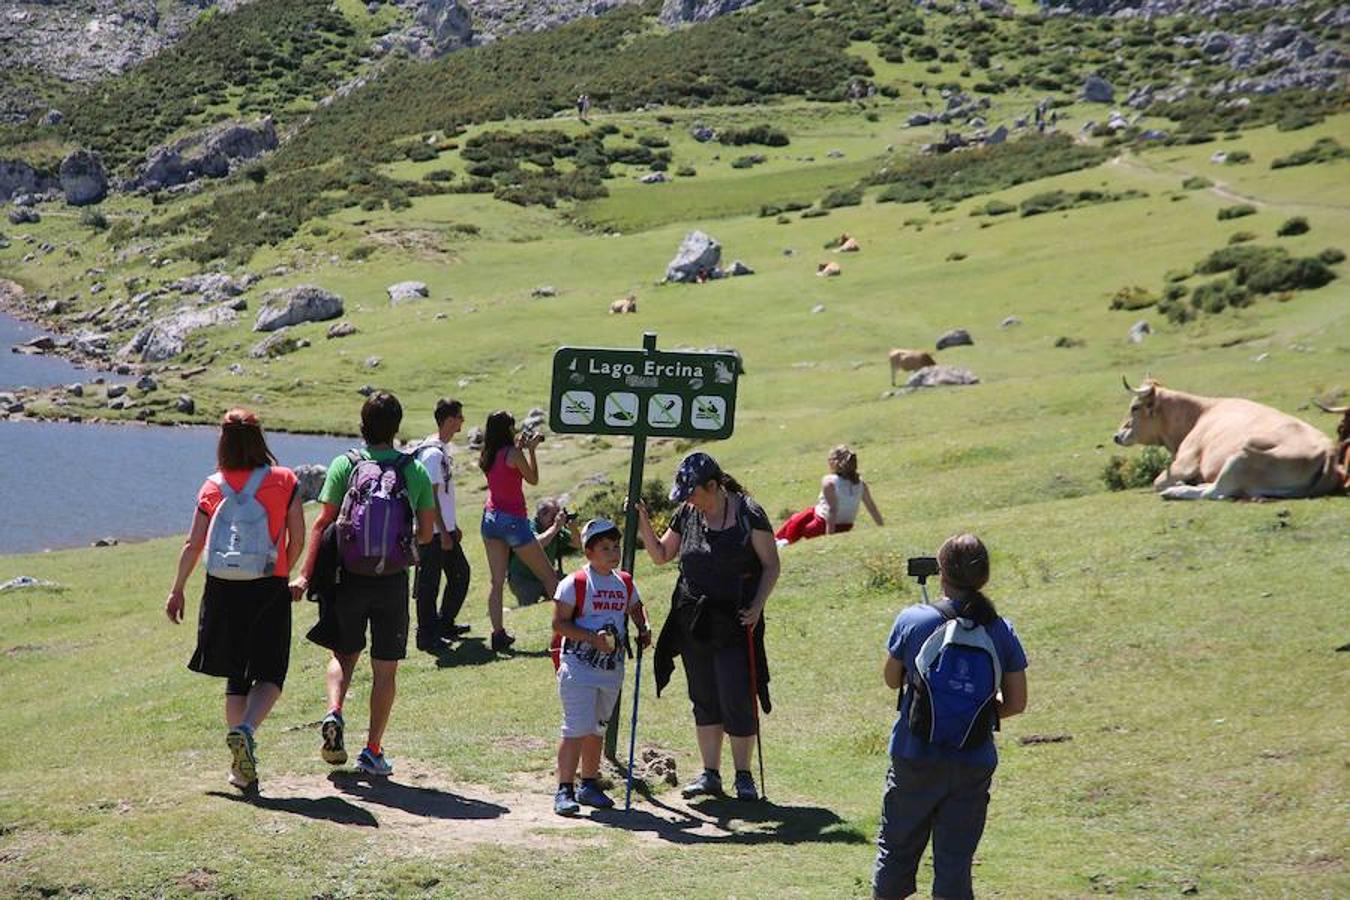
{"points": [[626, 305], [828, 269], [1228, 448], [908, 361]]}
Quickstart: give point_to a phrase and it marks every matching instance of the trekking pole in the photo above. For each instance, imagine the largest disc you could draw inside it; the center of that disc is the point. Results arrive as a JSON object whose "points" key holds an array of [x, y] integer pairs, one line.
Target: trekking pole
{"points": [[754, 702], [632, 733]]}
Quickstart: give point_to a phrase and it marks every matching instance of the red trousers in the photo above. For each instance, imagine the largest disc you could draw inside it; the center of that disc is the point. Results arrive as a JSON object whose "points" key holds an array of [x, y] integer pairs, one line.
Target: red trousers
{"points": [[806, 524]]}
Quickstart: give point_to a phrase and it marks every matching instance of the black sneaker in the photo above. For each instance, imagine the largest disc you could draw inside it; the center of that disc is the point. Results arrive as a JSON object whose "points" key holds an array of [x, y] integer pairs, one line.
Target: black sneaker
{"points": [[501, 640], [708, 784], [454, 632], [745, 786], [333, 752]]}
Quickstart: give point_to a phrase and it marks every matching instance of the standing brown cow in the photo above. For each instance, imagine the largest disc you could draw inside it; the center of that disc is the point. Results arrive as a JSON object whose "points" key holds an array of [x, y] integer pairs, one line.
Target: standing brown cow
{"points": [[908, 361], [1228, 448]]}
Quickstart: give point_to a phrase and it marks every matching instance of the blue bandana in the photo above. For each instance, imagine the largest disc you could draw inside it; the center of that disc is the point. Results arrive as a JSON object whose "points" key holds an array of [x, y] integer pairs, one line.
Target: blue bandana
{"points": [[695, 469]]}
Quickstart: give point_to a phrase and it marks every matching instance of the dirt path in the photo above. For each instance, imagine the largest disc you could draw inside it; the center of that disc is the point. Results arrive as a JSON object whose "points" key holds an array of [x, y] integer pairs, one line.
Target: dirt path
{"points": [[425, 811], [1219, 188]]}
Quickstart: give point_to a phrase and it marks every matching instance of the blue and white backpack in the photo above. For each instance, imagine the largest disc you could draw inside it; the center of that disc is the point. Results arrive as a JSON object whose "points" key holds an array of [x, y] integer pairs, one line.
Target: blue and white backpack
{"points": [[239, 545], [955, 683]]}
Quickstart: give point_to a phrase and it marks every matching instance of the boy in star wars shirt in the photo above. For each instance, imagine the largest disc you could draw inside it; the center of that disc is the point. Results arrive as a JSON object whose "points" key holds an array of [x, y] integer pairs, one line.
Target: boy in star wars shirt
{"points": [[590, 612]]}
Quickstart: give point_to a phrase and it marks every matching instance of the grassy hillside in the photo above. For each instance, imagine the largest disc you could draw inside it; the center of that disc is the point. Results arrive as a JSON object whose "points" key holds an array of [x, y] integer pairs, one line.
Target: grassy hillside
{"points": [[1188, 652]]}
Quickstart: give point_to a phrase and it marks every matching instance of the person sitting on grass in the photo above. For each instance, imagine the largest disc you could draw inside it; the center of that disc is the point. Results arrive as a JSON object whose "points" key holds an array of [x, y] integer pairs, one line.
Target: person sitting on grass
{"points": [[558, 536], [837, 508], [590, 613], [244, 627]]}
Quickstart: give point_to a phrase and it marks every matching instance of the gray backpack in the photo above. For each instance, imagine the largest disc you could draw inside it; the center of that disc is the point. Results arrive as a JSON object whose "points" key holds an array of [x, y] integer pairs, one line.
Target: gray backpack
{"points": [[239, 545]]}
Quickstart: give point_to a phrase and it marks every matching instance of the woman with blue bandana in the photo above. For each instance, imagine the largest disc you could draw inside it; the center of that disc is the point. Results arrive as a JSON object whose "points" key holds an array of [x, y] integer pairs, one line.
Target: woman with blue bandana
{"points": [[728, 568]]}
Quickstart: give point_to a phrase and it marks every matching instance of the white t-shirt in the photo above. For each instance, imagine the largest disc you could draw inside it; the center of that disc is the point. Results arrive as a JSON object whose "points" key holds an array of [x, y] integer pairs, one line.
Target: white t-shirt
{"points": [[437, 463], [847, 496], [607, 604]]}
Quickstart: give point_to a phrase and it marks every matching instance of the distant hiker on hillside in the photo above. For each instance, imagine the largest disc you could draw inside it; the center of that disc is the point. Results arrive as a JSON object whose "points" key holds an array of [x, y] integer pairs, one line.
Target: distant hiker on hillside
{"points": [[445, 553], [556, 531], [962, 670], [590, 623], [728, 567], [381, 502], [251, 524], [508, 460], [583, 106], [841, 491]]}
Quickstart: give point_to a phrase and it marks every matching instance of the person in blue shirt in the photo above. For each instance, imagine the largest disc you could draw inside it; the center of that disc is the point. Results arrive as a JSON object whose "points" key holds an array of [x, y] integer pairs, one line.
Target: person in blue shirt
{"points": [[932, 790]]}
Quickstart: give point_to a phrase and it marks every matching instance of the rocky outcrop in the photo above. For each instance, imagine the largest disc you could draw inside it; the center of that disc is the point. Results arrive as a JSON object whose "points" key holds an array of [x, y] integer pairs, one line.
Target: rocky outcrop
{"points": [[214, 287], [406, 292], [167, 337], [278, 343], [675, 12], [957, 337], [698, 253], [291, 306], [310, 481], [940, 376], [83, 179], [18, 177], [208, 154]]}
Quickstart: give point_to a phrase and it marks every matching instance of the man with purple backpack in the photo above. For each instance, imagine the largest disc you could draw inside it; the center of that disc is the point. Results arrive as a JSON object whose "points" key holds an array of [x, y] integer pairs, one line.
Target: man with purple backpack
{"points": [[382, 506]]}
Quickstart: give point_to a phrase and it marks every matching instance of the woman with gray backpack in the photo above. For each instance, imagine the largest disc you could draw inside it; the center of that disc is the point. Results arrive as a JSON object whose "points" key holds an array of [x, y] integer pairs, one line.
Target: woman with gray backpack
{"points": [[250, 525]]}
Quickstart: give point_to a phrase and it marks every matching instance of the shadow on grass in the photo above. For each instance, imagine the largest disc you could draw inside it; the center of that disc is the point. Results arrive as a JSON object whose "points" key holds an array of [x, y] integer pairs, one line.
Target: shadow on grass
{"points": [[476, 652], [328, 809], [737, 823], [418, 801]]}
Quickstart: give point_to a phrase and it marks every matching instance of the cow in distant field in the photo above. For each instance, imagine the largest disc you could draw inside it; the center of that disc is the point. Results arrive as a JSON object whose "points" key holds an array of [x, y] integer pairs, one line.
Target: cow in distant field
{"points": [[1343, 436], [828, 269], [846, 244], [626, 305], [908, 361], [1228, 448]]}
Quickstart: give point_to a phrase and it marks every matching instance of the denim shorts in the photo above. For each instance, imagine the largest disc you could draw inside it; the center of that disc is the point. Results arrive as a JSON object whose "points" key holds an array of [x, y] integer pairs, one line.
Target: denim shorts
{"points": [[502, 526]]}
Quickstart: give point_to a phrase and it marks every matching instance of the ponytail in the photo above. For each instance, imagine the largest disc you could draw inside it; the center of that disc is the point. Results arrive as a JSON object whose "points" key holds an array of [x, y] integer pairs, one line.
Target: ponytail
{"points": [[845, 463], [730, 484], [964, 564]]}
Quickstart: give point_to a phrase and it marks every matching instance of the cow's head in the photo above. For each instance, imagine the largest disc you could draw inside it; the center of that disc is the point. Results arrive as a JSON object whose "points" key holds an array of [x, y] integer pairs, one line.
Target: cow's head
{"points": [[1144, 425], [1342, 433]]}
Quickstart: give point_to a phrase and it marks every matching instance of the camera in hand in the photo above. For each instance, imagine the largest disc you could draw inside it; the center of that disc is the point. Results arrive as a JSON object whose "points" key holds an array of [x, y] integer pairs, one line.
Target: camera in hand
{"points": [[567, 516], [922, 567], [532, 436]]}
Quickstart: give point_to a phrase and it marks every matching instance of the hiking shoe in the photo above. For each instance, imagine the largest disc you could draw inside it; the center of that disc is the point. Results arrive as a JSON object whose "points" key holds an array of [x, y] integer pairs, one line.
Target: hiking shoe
{"points": [[244, 762], [745, 787], [454, 632], [373, 763], [333, 752], [708, 784], [564, 803], [501, 640], [242, 784], [591, 795]]}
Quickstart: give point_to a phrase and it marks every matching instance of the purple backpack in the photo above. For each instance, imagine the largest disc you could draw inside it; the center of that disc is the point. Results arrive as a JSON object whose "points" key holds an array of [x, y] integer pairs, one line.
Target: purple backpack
{"points": [[375, 525]]}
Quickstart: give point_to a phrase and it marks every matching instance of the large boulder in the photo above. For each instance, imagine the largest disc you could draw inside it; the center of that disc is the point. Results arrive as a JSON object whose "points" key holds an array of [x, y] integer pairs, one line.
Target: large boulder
{"points": [[698, 253], [310, 481], [278, 343], [957, 337], [207, 154], [18, 177], [675, 12], [83, 180], [1098, 90], [167, 337], [291, 306], [214, 287], [940, 376], [406, 291]]}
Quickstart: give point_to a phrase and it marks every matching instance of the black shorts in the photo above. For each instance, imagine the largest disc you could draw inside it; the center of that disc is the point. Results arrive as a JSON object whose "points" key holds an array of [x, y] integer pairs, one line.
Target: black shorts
{"points": [[381, 600], [719, 687], [244, 632]]}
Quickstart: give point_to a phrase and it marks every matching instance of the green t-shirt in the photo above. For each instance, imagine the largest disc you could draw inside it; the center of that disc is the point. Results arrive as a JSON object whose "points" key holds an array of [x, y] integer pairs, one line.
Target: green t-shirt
{"points": [[415, 474], [560, 545]]}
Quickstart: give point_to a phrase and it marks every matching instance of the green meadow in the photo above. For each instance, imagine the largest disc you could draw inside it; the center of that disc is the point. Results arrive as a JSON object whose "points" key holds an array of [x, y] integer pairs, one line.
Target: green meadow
{"points": [[1184, 657]]}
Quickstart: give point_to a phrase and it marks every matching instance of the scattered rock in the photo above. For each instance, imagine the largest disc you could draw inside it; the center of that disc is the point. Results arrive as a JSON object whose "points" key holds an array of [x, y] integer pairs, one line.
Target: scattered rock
{"points": [[1010, 322], [235, 369], [83, 180], [655, 178], [1068, 343], [958, 337], [310, 478], [698, 253], [278, 343], [406, 291], [340, 330], [544, 290], [475, 438], [940, 376], [208, 154], [24, 216], [105, 542], [291, 306], [1138, 331], [818, 308], [919, 119], [739, 268], [167, 337], [703, 134], [75, 390], [116, 390], [1098, 90], [366, 390], [998, 136], [185, 404], [27, 581], [146, 383], [675, 12]]}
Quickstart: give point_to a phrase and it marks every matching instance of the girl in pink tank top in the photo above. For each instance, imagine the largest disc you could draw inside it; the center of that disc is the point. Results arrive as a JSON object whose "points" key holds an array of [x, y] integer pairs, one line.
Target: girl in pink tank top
{"points": [[509, 461]]}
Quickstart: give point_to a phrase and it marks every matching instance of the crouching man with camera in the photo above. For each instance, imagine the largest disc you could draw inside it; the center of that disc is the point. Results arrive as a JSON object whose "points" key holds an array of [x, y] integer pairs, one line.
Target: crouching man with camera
{"points": [[555, 528], [961, 669]]}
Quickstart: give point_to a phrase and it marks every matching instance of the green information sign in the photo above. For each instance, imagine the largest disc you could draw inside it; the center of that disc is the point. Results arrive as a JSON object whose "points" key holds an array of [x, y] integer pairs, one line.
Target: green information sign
{"points": [[662, 394]]}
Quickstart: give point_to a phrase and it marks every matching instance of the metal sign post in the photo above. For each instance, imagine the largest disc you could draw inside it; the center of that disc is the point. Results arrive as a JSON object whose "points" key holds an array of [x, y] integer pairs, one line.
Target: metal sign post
{"points": [[640, 393]]}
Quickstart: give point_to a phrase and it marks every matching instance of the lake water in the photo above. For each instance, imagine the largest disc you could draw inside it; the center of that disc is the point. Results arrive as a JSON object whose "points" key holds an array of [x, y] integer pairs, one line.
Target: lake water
{"points": [[18, 369], [64, 484]]}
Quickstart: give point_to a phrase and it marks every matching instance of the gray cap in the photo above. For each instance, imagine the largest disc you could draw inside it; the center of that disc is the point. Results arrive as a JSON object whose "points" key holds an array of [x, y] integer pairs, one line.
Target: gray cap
{"points": [[595, 528]]}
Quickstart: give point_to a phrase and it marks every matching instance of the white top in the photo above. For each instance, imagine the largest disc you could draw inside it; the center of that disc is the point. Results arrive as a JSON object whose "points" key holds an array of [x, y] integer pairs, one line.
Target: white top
{"points": [[437, 463], [606, 604], [847, 496]]}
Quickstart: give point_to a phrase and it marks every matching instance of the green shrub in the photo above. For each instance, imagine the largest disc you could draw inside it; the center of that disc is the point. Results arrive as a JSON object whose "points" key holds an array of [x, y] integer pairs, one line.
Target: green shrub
{"points": [[420, 152], [1133, 297], [686, 171], [1197, 183], [1332, 255], [1237, 158], [361, 251], [92, 218], [1175, 291], [652, 140], [1241, 237], [842, 197], [745, 162], [1241, 258], [1236, 212], [439, 175], [1175, 275], [1045, 202], [256, 173], [1137, 471], [815, 213], [1216, 296], [1323, 150], [998, 208], [768, 210], [1277, 275], [763, 134], [467, 228], [1292, 227]]}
